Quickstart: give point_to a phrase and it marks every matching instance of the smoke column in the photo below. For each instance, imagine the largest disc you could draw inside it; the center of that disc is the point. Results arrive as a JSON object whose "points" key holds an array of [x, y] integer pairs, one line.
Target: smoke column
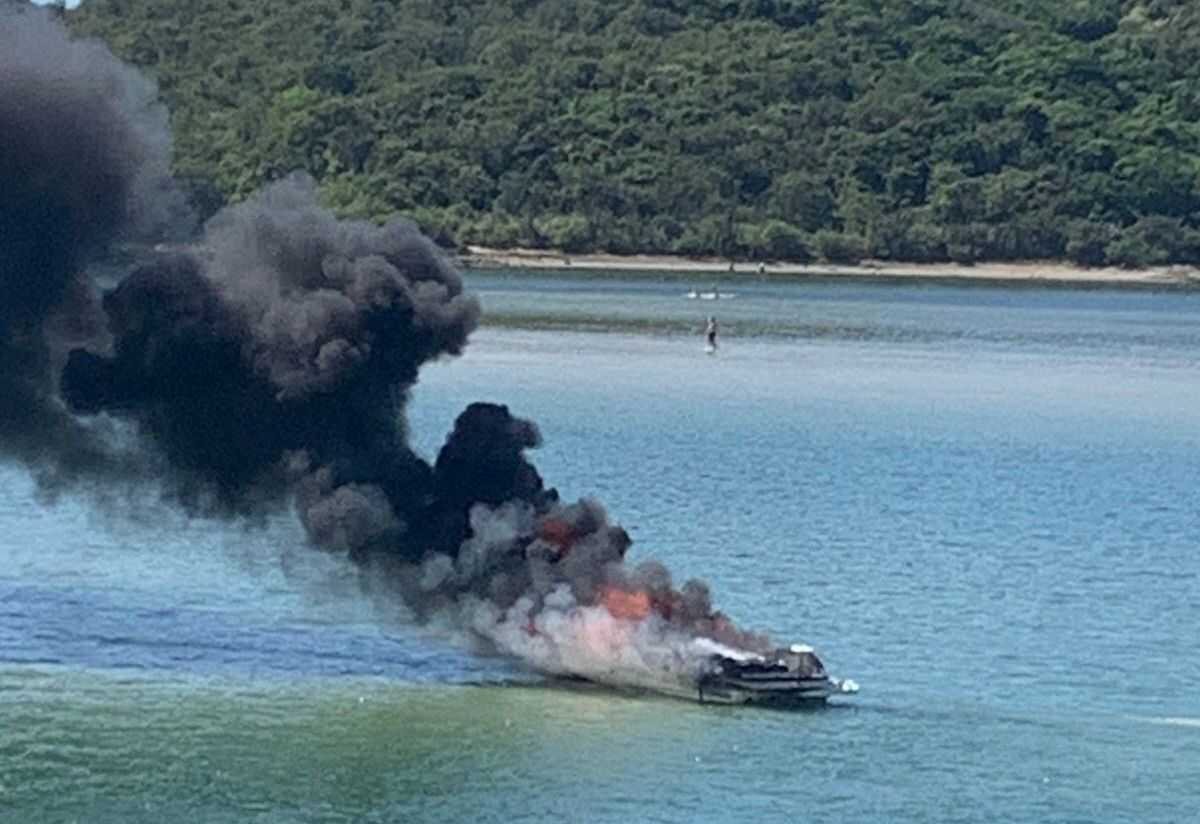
{"points": [[270, 369], [84, 157]]}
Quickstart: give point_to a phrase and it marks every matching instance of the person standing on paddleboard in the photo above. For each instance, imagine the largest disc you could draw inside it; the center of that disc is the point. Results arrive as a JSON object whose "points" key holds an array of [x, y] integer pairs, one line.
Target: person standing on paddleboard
{"points": [[710, 333]]}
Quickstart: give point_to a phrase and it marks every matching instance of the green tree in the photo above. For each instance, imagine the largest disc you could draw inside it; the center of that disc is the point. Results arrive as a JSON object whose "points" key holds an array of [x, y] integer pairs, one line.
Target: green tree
{"points": [[908, 130]]}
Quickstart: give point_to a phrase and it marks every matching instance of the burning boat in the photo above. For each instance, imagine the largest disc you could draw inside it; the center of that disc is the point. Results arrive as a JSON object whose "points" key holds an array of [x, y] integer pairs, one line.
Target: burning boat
{"points": [[793, 676], [597, 621]]}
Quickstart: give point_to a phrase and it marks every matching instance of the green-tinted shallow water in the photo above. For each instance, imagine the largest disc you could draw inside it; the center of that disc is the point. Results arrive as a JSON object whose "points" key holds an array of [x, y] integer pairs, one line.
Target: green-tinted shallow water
{"points": [[103, 746], [99, 744], [984, 509]]}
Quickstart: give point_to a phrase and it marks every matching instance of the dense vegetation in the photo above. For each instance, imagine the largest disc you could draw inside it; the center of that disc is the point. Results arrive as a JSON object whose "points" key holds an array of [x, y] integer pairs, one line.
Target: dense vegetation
{"points": [[914, 130]]}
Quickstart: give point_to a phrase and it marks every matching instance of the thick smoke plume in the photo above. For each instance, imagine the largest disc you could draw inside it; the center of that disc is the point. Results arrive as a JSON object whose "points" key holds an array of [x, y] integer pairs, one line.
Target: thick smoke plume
{"points": [[84, 158], [269, 367]]}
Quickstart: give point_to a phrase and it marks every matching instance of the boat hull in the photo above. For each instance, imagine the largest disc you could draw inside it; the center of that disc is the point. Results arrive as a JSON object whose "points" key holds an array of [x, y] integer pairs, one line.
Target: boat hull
{"points": [[795, 693], [798, 694]]}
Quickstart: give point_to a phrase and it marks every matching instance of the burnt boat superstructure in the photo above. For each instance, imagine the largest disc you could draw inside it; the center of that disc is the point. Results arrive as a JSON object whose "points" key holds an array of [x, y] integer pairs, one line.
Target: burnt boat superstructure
{"points": [[791, 676]]}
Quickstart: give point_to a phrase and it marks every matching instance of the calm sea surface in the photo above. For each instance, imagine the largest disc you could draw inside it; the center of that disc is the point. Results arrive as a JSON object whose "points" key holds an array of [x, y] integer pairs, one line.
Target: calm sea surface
{"points": [[981, 503]]}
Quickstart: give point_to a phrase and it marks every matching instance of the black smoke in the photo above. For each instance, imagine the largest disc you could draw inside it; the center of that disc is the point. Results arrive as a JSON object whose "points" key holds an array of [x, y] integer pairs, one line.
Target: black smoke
{"points": [[267, 365], [278, 361], [84, 158]]}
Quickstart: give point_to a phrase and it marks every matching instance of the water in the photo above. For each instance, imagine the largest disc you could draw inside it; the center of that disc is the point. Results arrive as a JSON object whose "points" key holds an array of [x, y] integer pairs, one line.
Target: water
{"points": [[980, 503]]}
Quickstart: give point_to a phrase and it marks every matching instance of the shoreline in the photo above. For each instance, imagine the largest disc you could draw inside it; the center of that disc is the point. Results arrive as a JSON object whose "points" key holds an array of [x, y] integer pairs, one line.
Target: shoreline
{"points": [[1032, 272]]}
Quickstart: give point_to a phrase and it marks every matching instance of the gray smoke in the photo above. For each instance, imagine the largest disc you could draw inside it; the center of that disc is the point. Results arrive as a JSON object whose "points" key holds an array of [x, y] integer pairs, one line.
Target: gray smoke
{"points": [[268, 366]]}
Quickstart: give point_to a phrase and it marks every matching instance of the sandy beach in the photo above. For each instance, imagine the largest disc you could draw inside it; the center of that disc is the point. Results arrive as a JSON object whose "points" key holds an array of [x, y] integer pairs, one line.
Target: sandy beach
{"points": [[1054, 272]]}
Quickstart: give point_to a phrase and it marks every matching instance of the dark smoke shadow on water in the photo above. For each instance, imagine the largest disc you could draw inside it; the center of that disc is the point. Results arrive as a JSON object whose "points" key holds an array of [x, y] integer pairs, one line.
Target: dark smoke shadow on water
{"points": [[266, 368]]}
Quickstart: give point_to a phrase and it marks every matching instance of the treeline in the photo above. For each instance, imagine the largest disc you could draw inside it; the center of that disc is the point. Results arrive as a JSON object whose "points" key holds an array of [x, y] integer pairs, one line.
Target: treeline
{"points": [[914, 130]]}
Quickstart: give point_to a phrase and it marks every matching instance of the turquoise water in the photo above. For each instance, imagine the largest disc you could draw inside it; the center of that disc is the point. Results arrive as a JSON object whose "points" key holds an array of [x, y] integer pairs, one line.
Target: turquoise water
{"points": [[980, 503]]}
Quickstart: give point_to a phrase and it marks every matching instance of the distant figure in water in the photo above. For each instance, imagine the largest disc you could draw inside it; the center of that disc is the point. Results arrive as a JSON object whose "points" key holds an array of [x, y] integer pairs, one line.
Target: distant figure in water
{"points": [[710, 334]]}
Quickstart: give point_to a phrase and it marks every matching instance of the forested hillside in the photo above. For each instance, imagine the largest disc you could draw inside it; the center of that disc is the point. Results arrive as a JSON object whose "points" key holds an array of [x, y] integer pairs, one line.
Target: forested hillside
{"points": [[909, 130]]}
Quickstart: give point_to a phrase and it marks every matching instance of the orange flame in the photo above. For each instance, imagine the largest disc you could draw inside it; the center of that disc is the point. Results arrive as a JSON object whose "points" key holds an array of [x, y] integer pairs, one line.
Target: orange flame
{"points": [[620, 603], [557, 532]]}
